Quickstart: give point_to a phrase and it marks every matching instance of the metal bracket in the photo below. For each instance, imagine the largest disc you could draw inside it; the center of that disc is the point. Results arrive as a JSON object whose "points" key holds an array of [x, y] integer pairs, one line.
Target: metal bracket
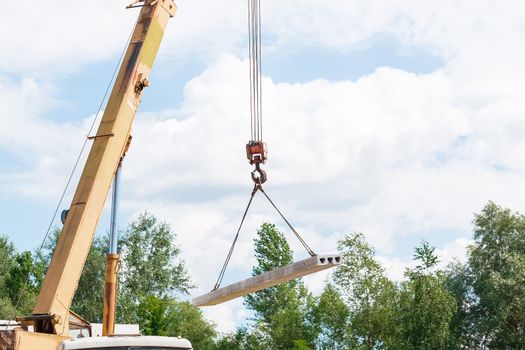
{"points": [[41, 322], [169, 6], [134, 4], [126, 148], [97, 136]]}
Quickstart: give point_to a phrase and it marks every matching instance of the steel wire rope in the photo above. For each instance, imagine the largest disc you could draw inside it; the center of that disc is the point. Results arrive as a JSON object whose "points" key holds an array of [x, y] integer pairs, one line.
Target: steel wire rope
{"points": [[254, 49], [253, 58], [228, 257], [257, 187], [255, 67], [303, 242], [68, 182], [259, 67], [250, 61]]}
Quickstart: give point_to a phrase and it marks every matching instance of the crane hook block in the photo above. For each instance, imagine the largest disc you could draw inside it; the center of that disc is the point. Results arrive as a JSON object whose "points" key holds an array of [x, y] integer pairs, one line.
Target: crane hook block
{"points": [[256, 152]]}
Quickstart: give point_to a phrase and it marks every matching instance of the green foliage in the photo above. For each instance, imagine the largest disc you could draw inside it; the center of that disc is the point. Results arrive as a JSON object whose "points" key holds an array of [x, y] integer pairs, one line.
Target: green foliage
{"points": [[19, 275], [7, 252], [244, 339], [425, 305], [476, 305], [300, 345], [184, 319], [272, 251], [458, 283], [497, 274], [279, 310], [425, 254], [369, 294], [7, 309], [169, 317], [151, 315], [21, 286], [331, 319], [150, 266], [18, 288]]}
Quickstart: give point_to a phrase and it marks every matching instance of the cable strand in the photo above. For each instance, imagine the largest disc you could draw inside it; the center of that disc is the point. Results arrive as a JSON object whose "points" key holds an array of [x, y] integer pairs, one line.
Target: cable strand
{"points": [[303, 242], [254, 48], [228, 257], [259, 68]]}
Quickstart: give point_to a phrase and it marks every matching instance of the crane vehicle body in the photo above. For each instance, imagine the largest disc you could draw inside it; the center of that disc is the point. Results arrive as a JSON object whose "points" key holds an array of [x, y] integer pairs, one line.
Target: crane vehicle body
{"points": [[127, 342], [48, 326]]}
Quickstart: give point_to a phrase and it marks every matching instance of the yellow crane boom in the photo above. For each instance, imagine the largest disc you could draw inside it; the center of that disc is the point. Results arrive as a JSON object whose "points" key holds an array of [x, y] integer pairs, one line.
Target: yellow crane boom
{"points": [[51, 311]]}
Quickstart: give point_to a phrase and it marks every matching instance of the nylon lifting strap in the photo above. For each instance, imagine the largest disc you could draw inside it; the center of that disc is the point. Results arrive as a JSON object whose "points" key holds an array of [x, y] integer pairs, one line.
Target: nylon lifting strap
{"points": [[257, 187]]}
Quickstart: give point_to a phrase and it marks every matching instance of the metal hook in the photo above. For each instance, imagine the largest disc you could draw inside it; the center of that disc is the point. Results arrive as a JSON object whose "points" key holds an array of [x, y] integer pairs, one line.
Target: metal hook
{"points": [[259, 175]]}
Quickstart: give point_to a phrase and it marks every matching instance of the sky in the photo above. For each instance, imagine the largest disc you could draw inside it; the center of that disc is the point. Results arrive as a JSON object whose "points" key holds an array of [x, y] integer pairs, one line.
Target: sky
{"points": [[397, 119]]}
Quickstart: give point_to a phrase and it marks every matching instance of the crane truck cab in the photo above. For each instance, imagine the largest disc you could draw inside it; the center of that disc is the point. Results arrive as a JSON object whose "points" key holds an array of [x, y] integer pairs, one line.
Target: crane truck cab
{"points": [[132, 342]]}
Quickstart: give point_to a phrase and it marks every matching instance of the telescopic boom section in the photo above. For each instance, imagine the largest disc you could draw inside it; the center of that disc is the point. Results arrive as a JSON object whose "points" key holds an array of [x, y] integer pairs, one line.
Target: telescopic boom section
{"points": [[109, 143]]}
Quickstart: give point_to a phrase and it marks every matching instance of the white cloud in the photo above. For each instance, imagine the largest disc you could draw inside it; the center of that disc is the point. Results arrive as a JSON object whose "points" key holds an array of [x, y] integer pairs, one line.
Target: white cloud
{"points": [[395, 267], [455, 250], [39, 146], [225, 315], [57, 35]]}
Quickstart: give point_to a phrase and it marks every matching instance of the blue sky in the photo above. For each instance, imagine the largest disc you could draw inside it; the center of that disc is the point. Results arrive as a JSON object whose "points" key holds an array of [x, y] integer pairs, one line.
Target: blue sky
{"points": [[398, 120]]}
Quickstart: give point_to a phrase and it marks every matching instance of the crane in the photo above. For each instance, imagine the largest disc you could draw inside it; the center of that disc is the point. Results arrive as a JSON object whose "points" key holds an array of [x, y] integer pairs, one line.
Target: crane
{"points": [[48, 326]]}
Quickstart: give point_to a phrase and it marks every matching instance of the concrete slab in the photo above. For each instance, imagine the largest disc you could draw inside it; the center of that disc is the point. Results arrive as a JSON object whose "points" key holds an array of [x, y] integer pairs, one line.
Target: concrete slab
{"points": [[268, 279]]}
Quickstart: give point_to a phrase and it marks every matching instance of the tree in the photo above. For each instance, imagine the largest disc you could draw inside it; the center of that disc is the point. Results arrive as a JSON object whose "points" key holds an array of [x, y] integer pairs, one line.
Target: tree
{"points": [[331, 318], [151, 266], [497, 271], [426, 307], [151, 274], [369, 294], [280, 310], [7, 251], [18, 281], [21, 283], [151, 259], [244, 339], [458, 283], [184, 319]]}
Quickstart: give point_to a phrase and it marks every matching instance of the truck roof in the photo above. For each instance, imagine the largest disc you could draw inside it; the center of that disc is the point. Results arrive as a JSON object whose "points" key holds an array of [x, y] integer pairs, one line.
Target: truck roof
{"points": [[127, 341]]}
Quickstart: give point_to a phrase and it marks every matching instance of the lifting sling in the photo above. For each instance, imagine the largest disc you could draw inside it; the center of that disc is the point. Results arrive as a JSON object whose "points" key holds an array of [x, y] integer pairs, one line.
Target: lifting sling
{"points": [[256, 149]]}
